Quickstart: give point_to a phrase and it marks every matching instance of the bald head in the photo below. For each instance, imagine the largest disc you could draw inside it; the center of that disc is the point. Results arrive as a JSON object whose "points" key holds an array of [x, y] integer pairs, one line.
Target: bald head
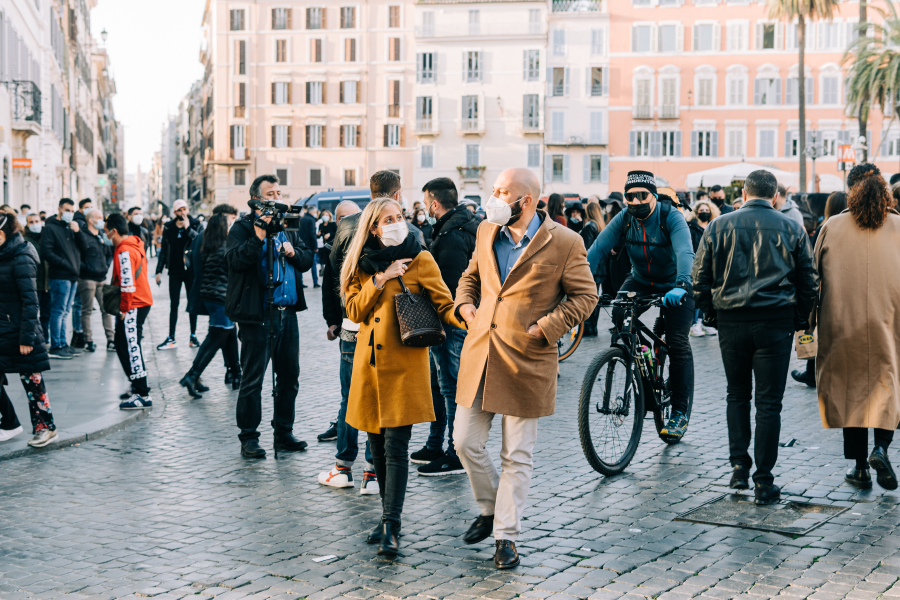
{"points": [[522, 181], [345, 209], [95, 214]]}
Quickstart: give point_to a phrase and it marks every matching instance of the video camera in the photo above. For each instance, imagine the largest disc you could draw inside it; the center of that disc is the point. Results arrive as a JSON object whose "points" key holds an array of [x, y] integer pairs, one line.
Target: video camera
{"points": [[284, 216]]}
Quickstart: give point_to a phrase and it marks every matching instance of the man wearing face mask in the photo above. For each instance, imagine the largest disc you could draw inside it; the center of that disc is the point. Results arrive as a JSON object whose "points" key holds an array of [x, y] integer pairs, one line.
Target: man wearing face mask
{"points": [[658, 243], [717, 195], [85, 206], [246, 303], [96, 256], [176, 237], [33, 229], [61, 249], [523, 266]]}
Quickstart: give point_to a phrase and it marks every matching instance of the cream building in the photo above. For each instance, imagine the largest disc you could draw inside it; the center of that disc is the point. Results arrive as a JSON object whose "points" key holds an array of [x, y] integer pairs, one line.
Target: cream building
{"points": [[317, 92], [479, 92], [576, 125]]}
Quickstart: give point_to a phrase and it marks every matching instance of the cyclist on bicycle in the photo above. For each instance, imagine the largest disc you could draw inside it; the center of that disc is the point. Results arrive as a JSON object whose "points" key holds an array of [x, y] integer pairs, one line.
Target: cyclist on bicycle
{"points": [[658, 243]]}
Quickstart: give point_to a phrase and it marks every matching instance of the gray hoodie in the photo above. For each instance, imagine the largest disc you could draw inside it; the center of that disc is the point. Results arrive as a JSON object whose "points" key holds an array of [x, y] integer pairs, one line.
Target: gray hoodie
{"points": [[791, 211]]}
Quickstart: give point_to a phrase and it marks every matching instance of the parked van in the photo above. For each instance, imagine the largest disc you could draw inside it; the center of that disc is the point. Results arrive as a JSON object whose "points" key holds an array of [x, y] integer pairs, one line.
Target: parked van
{"points": [[330, 199]]}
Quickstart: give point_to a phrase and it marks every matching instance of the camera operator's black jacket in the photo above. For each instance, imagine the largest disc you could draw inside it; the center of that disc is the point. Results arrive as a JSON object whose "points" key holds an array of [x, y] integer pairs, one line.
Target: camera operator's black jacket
{"points": [[755, 264], [244, 296]]}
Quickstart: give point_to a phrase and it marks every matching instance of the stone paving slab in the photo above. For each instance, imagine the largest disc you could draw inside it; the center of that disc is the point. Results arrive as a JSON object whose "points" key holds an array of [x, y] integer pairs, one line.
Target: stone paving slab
{"points": [[168, 509]]}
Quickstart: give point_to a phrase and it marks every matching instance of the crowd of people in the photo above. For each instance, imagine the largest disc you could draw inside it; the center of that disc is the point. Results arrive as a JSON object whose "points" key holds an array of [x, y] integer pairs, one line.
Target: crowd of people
{"points": [[496, 286]]}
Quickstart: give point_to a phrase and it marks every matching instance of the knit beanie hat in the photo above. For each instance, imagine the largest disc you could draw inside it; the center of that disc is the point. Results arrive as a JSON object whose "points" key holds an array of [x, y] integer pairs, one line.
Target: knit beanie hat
{"points": [[644, 179]]}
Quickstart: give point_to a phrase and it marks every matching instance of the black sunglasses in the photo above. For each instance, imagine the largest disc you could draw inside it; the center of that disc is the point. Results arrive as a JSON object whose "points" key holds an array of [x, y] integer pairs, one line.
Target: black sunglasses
{"points": [[636, 196]]}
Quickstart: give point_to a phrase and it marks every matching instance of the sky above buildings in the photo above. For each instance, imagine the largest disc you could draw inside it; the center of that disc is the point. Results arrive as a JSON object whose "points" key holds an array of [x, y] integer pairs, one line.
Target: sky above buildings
{"points": [[154, 50]]}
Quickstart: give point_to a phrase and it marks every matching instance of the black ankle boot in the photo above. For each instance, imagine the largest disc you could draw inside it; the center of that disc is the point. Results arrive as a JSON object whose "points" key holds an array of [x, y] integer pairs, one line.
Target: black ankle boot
{"points": [[389, 544], [189, 382], [236, 380], [227, 376]]}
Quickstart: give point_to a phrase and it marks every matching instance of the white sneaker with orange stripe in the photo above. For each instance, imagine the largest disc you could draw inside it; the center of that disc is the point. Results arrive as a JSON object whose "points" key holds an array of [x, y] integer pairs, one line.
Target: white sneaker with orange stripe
{"points": [[339, 477]]}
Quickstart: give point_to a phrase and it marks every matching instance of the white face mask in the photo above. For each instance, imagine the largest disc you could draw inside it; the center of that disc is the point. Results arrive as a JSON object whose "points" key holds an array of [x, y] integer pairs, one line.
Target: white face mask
{"points": [[137, 219], [35, 228], [420, 218], [68, 216], [326, 218], [98, 223], [497, 211], [394, 234]]}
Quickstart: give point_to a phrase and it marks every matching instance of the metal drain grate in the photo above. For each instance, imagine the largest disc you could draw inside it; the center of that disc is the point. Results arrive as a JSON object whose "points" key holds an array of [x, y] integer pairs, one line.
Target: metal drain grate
{"points": [[736, 510]]}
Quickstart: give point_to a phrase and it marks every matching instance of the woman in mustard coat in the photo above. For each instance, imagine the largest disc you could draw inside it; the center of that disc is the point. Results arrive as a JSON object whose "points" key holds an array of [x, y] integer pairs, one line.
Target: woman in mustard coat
{"points": [[390, 388]]}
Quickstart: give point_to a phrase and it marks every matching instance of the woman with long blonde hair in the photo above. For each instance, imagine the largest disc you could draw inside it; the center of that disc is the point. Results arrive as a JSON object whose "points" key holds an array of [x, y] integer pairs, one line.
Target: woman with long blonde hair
{"points": [[390, 388]]}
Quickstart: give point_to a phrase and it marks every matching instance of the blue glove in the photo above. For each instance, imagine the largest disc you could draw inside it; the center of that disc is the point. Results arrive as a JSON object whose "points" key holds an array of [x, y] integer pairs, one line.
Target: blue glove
{"points": [[674, 296]]}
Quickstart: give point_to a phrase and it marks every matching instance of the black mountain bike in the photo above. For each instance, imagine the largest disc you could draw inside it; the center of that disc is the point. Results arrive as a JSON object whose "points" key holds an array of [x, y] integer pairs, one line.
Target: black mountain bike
{"points": [[631, 377]]}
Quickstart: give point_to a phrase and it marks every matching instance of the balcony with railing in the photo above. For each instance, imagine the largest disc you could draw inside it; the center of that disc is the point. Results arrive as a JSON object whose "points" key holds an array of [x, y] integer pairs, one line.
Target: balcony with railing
{"points": [[470, 125], [426, 125], [471, 174], [240, 112], [26, 98], [494, 29], [642, 111], [531, 124], [393, 110], [565, 6], [668, 111]]}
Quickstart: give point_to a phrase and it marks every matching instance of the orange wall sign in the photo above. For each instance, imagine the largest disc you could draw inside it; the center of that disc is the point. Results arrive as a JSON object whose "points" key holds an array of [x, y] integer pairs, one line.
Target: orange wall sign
{"points": [[21, 163]]}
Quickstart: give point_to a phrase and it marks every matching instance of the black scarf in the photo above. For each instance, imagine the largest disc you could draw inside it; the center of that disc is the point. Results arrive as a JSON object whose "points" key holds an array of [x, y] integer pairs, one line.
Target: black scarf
{"points": [[375, 259]]}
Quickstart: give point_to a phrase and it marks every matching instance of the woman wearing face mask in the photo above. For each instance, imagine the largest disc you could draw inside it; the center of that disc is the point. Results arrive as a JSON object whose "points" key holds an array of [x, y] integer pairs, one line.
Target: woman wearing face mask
{"points": [[390, 389], [222, 333], [22, 348], [703, 214], [420, 220], [326, 231]]}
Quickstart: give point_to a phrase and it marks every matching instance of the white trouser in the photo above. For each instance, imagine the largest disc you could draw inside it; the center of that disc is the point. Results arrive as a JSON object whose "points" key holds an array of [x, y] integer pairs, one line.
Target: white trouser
{"points": [[500, 494]]}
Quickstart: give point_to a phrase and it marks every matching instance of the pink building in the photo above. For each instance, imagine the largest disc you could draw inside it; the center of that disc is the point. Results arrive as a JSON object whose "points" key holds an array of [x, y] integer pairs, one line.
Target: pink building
{"points": [[698, 84]]}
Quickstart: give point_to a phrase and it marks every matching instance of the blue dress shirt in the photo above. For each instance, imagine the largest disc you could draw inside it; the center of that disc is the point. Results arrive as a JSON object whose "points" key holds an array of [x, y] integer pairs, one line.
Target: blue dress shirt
{"points": [[508, 252]]}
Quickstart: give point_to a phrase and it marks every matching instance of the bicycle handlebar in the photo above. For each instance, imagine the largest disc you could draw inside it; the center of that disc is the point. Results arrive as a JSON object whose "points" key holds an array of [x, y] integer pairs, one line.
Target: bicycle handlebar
{"points": [[630, 299]]}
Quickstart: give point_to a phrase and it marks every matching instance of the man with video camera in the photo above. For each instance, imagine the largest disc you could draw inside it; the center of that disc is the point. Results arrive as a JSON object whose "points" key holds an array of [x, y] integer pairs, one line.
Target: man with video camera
{"points": [[246, 303]]}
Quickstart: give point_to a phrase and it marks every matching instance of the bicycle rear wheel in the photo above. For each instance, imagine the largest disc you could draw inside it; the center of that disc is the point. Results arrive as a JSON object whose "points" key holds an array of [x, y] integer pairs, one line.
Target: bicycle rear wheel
{"points": [[662, 415], [610, 421], [568, 343]]}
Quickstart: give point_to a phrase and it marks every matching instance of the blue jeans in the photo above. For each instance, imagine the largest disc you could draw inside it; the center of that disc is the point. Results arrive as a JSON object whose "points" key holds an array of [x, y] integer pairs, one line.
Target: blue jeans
{"points": [[348, 437], [315, 268], [76, 313], [62, 294], [444, 371]]}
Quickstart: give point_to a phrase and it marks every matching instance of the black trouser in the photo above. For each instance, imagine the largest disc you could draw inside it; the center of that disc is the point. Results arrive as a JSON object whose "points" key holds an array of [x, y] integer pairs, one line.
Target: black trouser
{"points": [[760, 349], [217, 338], [255, 356], [390, 455], [856, 441], [678, 325], [176, 279], [45, 307], [129, 333], [8, 418]]}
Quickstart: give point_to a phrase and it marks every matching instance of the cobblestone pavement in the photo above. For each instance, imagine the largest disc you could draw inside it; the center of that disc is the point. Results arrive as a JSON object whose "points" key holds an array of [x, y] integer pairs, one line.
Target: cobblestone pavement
{"points": [[168, 509]]}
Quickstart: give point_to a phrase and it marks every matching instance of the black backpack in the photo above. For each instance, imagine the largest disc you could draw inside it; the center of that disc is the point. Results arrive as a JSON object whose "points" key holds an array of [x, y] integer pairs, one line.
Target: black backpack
{"points": [[665, 206]]}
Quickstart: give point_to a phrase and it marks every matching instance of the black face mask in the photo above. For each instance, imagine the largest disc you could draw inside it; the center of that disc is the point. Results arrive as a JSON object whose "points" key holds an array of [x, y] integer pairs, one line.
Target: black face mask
{"points": [[704, 216], [640, 211], [718, 201]]}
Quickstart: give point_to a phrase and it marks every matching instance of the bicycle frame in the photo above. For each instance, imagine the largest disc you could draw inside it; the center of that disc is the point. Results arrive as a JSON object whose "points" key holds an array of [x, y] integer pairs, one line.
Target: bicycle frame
{"points": [[633, 335]]}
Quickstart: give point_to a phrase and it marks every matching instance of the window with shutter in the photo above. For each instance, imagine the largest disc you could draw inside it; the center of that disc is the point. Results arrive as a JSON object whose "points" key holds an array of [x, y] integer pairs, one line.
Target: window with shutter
{"points": [[704, 92], [393, 16], [596, 81], [349, 177], [348, 17], [427, 154], [668, 37], [558, 83], [394, 49], [703, 37], [240, 177], [640, 38], [596, 128], [473, 65], [281, 51], [534, 156], [315, 50], [558, 127], [597, 46], [237, 20], [240, 57], [394, 98], [474, 22], [280, 18], [830, 90], [643, 92], [470, 113], [425, 67], [315, 177], [767, 36], [532, 67], [315, 18], [428, 23], [559, 42], [531, 111]]}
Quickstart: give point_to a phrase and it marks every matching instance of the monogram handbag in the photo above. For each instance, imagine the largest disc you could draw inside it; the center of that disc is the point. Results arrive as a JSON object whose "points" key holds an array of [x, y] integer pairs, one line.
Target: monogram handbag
{"points": [[420, 325], [112, 294]]}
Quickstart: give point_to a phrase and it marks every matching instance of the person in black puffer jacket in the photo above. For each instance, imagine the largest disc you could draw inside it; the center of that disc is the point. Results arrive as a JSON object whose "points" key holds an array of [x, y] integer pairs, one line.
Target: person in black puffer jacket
{"points": [[222, 333], [22, 348]]}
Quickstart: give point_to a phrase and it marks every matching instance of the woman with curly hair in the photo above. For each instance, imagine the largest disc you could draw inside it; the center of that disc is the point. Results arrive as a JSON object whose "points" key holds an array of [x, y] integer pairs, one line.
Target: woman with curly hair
{"points": [[858, 362]]}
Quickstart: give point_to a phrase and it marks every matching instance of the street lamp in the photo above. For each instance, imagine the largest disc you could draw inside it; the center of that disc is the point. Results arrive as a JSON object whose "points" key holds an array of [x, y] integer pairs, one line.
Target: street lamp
{"points": [[813, 151], [104, 35]]}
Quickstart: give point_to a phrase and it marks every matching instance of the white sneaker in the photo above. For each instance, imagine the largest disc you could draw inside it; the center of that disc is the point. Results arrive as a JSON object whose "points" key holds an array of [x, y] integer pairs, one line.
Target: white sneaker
{"points": [[369, 485], [8, 434], [697, 330], [42, 438], [339, 477], [709, 330]]}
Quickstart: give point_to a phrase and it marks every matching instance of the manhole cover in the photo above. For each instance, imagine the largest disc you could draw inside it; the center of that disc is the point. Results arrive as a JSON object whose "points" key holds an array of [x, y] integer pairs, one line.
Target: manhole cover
{"points": [[735, 510]]}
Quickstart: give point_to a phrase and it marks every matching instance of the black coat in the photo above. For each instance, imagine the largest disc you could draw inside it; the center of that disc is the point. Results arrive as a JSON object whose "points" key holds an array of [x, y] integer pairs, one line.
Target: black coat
{"points": [[308, 231], [756, 262], [589, 233], [61, 249], [244, 296], [454, 243], [43, 281], [19, 309], [215, 277], [168, 257], [696, 233], [427, 230], [332, 310], [195, 305], [139, 231], [96, 256]]}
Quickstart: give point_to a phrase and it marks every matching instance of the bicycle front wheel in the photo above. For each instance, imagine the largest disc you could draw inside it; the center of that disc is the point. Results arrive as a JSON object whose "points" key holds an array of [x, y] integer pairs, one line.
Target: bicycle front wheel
{"points": [[568, 343], [610, 412]]}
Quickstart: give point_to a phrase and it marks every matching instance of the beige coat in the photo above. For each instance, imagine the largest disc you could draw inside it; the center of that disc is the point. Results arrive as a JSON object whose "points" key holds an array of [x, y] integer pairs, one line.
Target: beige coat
{"points": [[859, 324], [520, 371], [391, 384]]}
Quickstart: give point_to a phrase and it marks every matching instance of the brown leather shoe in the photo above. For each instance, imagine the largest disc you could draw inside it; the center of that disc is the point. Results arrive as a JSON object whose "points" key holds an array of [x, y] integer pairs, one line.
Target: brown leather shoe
{"points": [[505, 555]]}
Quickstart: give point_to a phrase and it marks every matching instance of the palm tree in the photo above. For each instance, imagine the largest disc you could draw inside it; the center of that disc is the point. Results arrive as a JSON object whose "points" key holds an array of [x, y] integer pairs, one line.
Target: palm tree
{"points": [[802, 10], [863, 114], [874, 71]]}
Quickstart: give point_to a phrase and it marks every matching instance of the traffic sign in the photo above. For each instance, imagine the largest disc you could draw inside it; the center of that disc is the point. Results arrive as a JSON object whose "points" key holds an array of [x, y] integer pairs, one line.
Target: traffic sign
{"points": [[846, 153]]}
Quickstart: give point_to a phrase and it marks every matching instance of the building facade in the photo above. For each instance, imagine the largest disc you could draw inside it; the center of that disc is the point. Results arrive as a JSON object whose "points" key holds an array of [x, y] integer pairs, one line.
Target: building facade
{"points": [[58, 133], [318, 93], [705, 83]]}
